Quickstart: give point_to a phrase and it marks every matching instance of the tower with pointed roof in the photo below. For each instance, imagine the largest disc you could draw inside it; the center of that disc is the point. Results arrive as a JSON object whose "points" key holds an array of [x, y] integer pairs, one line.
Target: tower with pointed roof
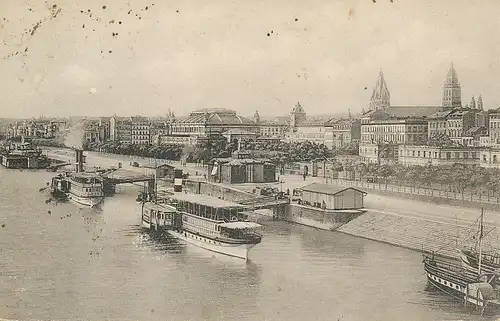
{"points": [[297, 115], [256, 117], [452, 92], [480, 103], [472, 103], [381, 98]]}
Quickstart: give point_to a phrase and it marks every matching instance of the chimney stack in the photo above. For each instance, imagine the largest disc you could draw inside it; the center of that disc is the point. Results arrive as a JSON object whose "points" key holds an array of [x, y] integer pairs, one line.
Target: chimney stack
{"points": [[177, 180], [79, 160]]}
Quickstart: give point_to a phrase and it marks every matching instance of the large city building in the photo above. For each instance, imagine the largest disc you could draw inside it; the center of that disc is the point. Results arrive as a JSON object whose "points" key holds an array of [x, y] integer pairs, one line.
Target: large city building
{"points": [[121, 129], [202, 124], [139, 127], [384, 127], [344, 131]]}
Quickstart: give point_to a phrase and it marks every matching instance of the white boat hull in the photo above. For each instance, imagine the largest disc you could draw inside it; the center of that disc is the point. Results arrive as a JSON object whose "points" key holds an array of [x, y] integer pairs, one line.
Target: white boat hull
{"points": [[85, 201], [146, 225], [236, 250]]}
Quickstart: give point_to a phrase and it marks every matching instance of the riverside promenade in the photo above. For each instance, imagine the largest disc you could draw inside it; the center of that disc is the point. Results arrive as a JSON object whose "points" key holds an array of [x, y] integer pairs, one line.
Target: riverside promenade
{"points": [[425, 194]]}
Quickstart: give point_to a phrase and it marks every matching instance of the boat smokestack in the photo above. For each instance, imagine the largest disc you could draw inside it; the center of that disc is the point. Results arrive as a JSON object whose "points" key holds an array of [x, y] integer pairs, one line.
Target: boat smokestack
{"points": [[79, 160], [178, 180]]}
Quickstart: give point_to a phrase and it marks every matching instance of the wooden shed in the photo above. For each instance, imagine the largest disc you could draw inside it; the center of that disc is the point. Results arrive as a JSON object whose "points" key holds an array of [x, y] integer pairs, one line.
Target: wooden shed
{"points": [[237, 171], [164, 171], [331, 197]]}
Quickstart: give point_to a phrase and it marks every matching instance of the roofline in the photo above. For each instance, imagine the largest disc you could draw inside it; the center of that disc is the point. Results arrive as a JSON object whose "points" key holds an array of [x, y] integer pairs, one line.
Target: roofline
{"points": [[350, 187]]}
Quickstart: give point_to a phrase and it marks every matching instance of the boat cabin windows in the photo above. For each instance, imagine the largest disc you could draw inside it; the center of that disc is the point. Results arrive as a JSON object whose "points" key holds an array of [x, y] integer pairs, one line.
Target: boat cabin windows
{"points": [[206, 211]]}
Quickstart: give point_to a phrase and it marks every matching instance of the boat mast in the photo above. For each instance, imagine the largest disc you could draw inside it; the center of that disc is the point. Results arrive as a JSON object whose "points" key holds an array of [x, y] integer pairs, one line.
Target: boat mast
{"points": [[156, 182], [480, 239]]}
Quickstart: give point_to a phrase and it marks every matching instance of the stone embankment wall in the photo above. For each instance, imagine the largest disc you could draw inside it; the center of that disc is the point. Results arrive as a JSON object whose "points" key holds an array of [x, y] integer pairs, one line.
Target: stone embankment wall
{"points": [[412, 233]]}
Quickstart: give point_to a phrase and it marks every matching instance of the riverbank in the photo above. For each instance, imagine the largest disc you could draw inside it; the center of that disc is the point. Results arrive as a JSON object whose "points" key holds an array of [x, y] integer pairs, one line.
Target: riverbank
{"points": [[397, 219]]}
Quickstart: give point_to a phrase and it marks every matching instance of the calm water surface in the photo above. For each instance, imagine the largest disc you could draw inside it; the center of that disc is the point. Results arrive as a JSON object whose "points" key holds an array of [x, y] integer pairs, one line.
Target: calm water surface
{"points": [[63, 262]]}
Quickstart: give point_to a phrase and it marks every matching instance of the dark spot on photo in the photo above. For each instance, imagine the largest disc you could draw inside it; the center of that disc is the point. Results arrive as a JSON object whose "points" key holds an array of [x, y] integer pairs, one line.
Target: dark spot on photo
{"points": [[83, 26], [374, 1], [177, 11], [54, 6], [112, 21], [129, 11], [146, 8], [3, 224], [88, 10], [268, 34], [104, 7], [111, 51], [296, 19], [119, 22]]}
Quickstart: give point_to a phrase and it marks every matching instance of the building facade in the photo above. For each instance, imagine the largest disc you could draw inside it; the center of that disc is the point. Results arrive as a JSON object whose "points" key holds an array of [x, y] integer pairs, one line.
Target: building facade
{"points": [[459, 122], [433, 155], [121, 129], [91, 131], [139, 127], [316, 132], [207, 122], [276, 128], [344, 131]]}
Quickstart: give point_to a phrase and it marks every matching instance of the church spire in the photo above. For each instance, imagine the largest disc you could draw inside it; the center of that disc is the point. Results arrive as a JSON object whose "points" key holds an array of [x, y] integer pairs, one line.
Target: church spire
{"points": [[480, 102], [473, 103], [381, 98]]}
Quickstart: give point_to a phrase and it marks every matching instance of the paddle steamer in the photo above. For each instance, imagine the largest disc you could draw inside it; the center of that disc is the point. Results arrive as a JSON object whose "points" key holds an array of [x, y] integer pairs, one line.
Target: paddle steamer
{"points": [[204, 221]]}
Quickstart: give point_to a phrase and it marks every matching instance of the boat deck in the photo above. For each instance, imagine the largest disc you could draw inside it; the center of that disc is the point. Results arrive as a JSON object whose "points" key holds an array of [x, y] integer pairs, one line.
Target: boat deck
{"points": [[450, 271], [204, 200]]}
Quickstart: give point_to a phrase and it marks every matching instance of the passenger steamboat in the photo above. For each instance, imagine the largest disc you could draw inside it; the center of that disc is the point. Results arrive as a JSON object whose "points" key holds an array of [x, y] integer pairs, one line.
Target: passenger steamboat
{"points": [[204, 221], [80, 187]]}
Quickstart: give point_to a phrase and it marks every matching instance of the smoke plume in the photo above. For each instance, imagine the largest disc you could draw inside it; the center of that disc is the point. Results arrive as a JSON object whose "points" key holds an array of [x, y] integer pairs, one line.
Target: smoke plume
{"points": [[75, 136]]}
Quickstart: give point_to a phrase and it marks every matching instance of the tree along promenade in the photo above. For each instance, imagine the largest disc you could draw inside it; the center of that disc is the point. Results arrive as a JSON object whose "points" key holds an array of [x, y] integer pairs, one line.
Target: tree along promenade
{"points": [[424, 191]]}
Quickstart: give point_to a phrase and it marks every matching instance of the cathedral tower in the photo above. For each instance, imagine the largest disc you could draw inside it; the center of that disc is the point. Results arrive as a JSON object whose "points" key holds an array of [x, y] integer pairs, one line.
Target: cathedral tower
{"points": [[480, 103], [452, 92], [297, 115], [256, 117], [381, 98]]}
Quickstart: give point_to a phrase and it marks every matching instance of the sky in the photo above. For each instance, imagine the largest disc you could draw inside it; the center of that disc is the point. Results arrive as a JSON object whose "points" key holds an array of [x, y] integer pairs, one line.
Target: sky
{"points": [[75, 57]]}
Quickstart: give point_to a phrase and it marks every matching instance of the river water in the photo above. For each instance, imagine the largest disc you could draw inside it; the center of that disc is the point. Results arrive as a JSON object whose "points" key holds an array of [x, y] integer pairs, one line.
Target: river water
{"points": [[61, 262]]}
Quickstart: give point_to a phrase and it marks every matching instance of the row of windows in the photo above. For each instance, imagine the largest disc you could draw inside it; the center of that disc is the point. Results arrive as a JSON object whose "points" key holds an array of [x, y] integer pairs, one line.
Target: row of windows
{"points": [[428, 154], [393, 129], [494, 124]]}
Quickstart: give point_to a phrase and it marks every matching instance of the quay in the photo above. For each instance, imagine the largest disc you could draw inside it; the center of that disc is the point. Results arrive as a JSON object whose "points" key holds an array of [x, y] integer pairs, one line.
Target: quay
{"points": [[388, 219]]}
